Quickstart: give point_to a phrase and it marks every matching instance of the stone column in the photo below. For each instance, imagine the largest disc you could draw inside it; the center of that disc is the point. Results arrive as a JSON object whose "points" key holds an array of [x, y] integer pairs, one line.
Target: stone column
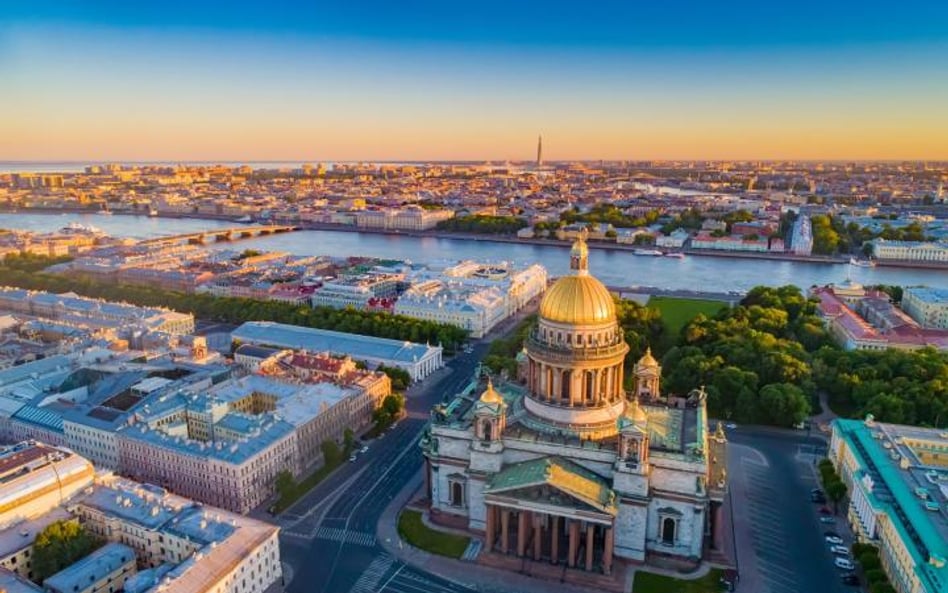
{"points": [[537, 536], [522, 517], [557, 380], [597, 387], [504, 529], [491, 527], [555, 543], [621, 373], [590, 531], [608, 551], [573, 542], [608, 371]]}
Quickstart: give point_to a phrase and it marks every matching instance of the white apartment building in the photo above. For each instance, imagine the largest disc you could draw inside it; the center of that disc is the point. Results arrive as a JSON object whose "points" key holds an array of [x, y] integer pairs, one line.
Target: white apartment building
{"points": [[471, 295], [409, 218], [912, 251], [927, 306]]}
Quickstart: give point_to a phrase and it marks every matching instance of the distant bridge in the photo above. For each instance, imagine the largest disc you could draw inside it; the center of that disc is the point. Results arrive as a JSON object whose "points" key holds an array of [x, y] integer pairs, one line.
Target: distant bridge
{"points": [[231, 234]]}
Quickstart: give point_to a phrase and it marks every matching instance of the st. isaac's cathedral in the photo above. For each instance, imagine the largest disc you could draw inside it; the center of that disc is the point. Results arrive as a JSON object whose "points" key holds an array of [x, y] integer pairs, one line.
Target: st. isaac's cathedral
{"points": [[567, 467]]}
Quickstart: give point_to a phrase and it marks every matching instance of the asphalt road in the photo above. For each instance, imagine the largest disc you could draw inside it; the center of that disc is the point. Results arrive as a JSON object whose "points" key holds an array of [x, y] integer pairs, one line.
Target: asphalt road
{"points": [[329, 535], [780, 545]]}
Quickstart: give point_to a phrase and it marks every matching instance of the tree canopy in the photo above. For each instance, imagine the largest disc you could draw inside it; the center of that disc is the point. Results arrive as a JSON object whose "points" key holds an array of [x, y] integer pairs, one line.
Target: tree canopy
{"points": [[59, 545], [483, 224], [753, 359]]}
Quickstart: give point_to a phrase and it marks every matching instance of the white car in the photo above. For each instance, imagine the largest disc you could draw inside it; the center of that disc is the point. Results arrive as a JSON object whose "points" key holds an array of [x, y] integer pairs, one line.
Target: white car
{"points": [[828, 520], [844, 563], [840, 551], [730, 426], [834, 540]]}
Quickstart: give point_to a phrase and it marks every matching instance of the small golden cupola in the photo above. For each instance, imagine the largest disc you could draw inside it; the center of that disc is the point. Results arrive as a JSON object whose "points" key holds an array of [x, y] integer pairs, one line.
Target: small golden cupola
{"points": [[490, 395], [490, 417]]}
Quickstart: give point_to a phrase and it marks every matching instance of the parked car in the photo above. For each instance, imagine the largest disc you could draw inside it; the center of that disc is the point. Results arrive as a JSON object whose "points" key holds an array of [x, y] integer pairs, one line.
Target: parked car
{"points": [[824, 510], [834, 539], [830, 532], [364, 449], [818, 498], [840, 550], [844, 563], [828, 520], [850, 579], [352, 458]]}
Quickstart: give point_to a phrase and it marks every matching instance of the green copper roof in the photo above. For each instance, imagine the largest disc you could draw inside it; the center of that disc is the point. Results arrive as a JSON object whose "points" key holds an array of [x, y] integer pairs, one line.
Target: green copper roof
{"points": [[563, 475], [915, 525]]}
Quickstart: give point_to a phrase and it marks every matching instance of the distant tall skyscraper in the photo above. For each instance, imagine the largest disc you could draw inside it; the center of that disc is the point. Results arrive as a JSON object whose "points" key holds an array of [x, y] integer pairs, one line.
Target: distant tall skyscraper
{"points": [[539, 150]]}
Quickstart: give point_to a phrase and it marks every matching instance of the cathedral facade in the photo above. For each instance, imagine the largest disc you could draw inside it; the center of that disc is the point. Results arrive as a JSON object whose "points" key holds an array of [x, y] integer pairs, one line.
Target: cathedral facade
{"points": [[566, 466]]}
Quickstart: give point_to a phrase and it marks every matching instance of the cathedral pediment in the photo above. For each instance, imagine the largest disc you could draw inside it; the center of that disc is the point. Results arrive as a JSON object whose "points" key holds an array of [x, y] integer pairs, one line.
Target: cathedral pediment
{"points": [[554, 481]]}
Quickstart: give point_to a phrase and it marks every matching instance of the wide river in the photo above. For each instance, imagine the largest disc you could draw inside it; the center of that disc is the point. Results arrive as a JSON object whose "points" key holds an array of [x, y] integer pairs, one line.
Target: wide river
{"points": [[615, 268]]}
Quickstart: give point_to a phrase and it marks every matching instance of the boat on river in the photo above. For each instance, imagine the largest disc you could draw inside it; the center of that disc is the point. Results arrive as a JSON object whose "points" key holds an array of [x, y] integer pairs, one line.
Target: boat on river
{"points": [[675, 254], [654, 252], [862, 263]]}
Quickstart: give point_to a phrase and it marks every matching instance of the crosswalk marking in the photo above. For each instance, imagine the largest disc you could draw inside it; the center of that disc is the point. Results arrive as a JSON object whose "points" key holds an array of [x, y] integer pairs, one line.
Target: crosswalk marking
{"points": [[349, 537], [372, 576], [473, 549]]}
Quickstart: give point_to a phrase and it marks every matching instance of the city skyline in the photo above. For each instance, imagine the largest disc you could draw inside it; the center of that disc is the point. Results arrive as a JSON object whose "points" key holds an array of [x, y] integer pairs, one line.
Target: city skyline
{"points": [[219, 83]]}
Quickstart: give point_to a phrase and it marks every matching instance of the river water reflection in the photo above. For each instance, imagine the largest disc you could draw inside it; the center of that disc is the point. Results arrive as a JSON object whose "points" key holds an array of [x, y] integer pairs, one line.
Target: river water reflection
{"points": [[615, 268]]}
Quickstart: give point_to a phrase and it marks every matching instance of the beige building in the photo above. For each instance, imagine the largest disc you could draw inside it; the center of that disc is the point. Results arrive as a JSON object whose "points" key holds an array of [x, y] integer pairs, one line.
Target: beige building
{"points": [[182, 547], [36, 478]]}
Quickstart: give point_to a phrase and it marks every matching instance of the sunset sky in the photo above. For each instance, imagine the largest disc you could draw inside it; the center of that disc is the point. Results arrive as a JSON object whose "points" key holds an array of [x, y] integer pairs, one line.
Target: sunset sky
{"points": [[413, 79]]}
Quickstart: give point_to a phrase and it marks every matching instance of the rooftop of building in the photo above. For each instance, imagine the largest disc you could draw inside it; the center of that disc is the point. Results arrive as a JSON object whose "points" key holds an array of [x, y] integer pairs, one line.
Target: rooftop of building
{"points": [[908, 470], [318, 340], [675, 430], [927, 294], [11, 582], [94, 567]]}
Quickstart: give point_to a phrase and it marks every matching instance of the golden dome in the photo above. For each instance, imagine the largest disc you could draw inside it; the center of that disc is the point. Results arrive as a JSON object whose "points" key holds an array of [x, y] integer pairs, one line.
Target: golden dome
{"points": [[490, 396], [647, 359], [578, 300]]}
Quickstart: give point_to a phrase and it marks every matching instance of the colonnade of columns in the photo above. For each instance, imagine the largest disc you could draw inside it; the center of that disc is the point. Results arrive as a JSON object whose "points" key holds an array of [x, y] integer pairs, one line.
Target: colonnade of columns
{"points": [[538, 536], [575, 387]]}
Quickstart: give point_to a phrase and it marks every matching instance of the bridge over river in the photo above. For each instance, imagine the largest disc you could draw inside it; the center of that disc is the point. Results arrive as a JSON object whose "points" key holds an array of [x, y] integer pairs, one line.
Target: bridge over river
{"points": [[227, 234]]}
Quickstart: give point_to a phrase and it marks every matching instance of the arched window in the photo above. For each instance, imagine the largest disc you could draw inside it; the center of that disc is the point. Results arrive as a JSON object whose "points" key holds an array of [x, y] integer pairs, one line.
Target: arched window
{"points": [[668, 530], [487, 430]]}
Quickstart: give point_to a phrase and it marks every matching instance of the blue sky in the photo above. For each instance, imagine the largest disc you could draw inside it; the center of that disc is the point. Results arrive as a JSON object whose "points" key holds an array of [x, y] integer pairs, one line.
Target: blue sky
{"points": [[410, 79]]}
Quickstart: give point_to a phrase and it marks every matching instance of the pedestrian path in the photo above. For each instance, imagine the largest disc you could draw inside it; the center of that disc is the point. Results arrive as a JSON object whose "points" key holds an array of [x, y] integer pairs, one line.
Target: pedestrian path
{"points": [[473, 549], [345, 536]]}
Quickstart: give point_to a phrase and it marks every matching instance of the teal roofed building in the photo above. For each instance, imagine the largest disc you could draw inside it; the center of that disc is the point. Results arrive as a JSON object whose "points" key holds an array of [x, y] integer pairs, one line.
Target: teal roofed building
{"points": [[898, 482]]}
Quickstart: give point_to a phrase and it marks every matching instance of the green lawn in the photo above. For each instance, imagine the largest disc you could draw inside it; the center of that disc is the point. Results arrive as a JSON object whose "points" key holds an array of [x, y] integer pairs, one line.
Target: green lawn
{"points": [[415, 532], [647, 582], [677, 312]]}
